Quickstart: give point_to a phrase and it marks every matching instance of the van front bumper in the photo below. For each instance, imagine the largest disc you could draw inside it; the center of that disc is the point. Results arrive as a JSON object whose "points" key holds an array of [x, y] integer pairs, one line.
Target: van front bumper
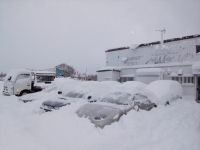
{"points": [[6, 93]]}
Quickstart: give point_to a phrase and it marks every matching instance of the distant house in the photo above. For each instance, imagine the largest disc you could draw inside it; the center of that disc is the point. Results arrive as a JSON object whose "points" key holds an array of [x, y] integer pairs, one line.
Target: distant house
{"points": [[65, 70], [173, 59]]}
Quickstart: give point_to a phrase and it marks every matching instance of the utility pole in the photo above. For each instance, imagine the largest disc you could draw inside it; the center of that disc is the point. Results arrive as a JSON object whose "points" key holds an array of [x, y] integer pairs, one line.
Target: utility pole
{"points": [[86, 74]]}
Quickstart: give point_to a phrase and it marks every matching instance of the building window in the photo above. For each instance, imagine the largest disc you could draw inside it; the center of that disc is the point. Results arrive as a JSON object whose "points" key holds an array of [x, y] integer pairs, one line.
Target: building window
{"points": [[180, 80], [175, 78], [198, 48], [124, 79], [189, 79], [183, 80], [192, 80]]}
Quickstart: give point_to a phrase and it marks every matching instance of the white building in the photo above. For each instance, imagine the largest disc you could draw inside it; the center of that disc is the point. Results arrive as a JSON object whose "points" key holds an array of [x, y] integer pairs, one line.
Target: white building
{"points": [[173, 59]]}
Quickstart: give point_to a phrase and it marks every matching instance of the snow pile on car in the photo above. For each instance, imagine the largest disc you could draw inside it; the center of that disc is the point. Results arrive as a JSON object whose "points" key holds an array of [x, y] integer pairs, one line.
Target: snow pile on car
{"points": [[129, 87], [164, 90], [135, 85]]}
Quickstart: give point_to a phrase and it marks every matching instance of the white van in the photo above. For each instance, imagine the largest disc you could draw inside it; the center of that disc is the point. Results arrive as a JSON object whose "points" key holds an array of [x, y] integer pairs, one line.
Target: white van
{"points": [[21, 81]]}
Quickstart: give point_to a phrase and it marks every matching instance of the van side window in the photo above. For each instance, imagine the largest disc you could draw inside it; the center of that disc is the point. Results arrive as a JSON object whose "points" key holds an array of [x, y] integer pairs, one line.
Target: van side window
{"points": [[22, 78]]}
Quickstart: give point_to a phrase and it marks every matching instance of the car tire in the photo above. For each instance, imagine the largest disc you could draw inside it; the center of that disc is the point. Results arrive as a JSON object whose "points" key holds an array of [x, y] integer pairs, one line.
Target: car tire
{"points": [[24, 93]]}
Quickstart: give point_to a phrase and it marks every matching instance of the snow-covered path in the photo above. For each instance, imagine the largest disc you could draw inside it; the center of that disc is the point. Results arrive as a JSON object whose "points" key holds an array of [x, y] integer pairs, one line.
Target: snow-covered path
{"points": [[23, 126]]}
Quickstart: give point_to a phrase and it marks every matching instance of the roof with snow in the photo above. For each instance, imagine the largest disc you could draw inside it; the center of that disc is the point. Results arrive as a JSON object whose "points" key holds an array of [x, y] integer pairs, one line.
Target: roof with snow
{"points": [[109, 68], [157, 42], [43, 72], [15, 72]]}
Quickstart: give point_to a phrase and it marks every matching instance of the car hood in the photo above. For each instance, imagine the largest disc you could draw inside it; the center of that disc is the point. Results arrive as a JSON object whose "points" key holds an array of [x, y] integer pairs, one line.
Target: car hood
{"points": [[93, 110], [32, 96], [59, 102], [53, 103]]}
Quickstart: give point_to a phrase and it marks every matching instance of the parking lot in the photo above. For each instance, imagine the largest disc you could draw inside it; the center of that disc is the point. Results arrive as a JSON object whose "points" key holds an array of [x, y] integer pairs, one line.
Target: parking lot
{"points": [[25, 126]]}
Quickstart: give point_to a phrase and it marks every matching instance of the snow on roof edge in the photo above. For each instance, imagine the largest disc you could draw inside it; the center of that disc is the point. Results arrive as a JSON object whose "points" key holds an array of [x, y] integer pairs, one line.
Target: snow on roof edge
{"points": [[109, 68]]}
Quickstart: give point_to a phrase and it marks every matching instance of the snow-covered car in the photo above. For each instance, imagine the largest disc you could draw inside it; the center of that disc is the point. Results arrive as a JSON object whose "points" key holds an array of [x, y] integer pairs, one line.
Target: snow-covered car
{"points": [[161, 92], [35, 96], [90, 91], [59, 84], [111, 106]]}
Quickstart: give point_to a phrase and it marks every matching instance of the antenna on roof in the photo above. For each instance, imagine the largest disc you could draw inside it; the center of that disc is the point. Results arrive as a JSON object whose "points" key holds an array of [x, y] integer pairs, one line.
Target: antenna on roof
{"points": [[161, 31]]}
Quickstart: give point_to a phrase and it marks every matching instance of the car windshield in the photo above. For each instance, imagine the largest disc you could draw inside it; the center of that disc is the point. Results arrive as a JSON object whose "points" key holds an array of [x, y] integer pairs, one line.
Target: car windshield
{"points": [[117, 98], [74, 94], [139, 97]]}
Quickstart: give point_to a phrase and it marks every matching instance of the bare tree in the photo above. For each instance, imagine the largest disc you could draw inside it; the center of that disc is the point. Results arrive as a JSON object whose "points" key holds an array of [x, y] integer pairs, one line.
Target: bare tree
{"points": [[92, 77], [2, 74], [67, 71]]}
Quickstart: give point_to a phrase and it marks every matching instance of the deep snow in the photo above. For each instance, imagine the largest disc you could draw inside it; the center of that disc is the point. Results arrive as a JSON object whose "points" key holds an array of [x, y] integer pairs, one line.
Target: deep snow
{"points": [[23, 126]]}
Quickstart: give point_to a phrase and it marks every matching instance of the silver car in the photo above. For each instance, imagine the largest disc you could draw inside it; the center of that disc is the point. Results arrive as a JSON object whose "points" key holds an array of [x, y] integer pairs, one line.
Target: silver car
{"points": [[161, 92], [141, 101], [35, 96], [89, 91], [67, 99], [108, 110]]}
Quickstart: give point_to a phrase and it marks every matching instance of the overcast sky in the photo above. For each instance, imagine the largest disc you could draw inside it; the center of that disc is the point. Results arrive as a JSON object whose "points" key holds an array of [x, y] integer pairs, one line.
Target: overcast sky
{"points": [[43, 34]]}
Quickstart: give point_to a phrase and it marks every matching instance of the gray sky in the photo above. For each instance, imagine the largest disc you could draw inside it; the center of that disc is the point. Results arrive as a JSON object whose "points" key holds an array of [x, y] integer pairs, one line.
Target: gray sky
{"points": [[42, 34]]}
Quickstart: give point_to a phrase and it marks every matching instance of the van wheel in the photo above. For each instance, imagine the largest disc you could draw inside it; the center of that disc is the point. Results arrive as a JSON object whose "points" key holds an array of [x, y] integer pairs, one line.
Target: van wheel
{"points": [[24, 93]]}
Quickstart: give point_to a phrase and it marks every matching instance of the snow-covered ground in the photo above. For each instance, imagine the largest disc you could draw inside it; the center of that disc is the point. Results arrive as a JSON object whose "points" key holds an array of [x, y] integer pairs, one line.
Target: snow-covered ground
{"points": [[23, 126]]}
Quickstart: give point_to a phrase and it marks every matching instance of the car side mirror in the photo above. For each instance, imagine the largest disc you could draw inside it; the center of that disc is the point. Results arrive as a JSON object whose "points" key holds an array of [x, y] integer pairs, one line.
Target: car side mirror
{"points": [[9, 78], [89, 97], [59, 92]]}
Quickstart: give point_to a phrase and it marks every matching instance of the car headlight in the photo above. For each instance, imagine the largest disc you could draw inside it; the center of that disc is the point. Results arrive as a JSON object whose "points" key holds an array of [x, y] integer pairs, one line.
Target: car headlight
{"points": [[49, 107], [56, 108], [89, 97], [100, 117]]}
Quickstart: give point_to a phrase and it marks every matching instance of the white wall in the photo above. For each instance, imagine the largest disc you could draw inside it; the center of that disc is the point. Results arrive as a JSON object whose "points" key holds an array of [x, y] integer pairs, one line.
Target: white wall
{"points": [[176, 55], [147, 79], [176, 51], [102, 75], [115, 76]]}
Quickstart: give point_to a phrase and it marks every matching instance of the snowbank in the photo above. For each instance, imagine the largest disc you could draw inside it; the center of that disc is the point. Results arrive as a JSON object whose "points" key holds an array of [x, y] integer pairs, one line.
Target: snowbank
{"points": [[23, 126]]}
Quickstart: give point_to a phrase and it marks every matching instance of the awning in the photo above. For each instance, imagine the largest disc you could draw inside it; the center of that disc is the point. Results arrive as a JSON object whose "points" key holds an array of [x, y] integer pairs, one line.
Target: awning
{"points": [[196, 67], [184, 75], [127, 75], [187, 75], [173, 74], [149, 71]]}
